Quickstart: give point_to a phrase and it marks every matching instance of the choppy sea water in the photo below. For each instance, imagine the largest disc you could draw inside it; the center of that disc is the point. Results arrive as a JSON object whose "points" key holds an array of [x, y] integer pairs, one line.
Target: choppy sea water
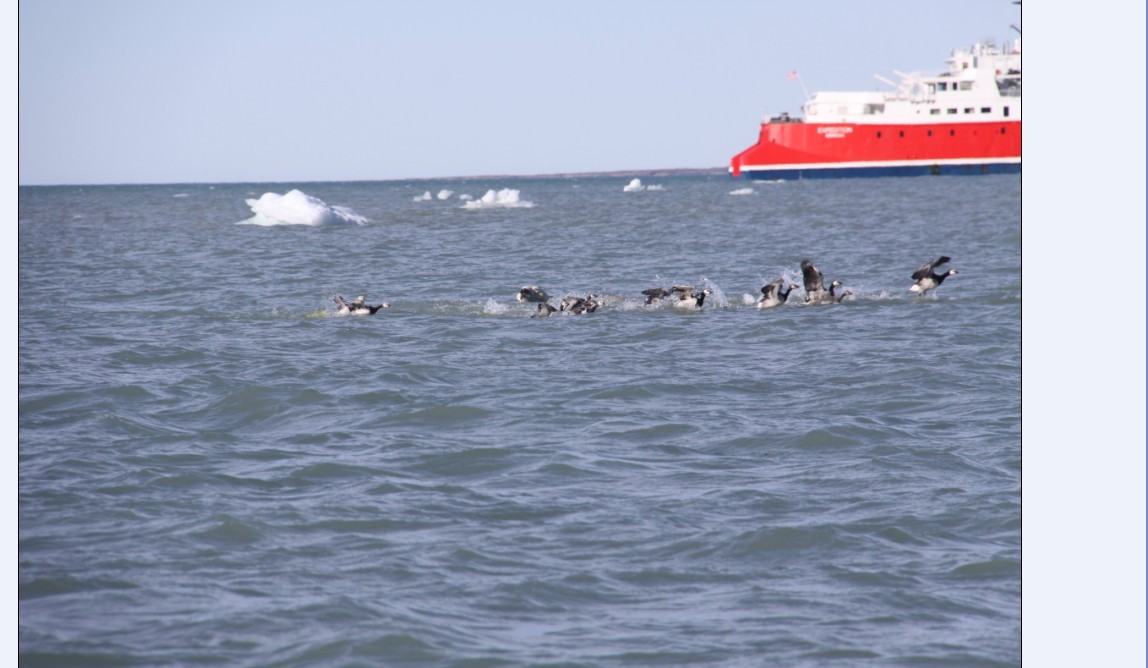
{"points": [[218, 469]]}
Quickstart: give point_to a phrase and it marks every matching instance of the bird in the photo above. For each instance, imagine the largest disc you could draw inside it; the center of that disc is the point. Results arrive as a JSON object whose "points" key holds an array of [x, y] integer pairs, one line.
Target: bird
{"points": [[836, 299], [814, 286], [544, 310], [831, 296], [358, 307], [532, 293], [693, 300], [591, 304], [658, 294], [773, 295], [578, 305], [928, 279]]}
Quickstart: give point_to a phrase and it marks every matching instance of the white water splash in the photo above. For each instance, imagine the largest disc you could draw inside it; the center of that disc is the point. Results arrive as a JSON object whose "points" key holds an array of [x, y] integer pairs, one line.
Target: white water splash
{"points": [[492, 307]]}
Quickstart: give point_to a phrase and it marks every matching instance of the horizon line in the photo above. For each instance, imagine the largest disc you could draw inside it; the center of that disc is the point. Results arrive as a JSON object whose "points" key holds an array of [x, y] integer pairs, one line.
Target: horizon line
{"points": [[672, 171]]}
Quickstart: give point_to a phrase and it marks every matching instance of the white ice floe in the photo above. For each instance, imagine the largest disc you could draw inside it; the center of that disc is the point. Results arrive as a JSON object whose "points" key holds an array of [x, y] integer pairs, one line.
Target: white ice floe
{"points": [[742, 191], [299, 208], [635, 185], [445, 194], [505, 198], [425, 197]]}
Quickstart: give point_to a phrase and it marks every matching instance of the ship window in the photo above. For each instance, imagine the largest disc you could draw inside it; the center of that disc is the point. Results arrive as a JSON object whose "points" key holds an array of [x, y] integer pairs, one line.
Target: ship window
{"points": [[968, 110], [952, 111], [931, 133], [1006, 111], [934, 112], [901, 133], [1002, 131], [952, 133], [878, 134], [942, 86], [986, 110], [966, 85]]}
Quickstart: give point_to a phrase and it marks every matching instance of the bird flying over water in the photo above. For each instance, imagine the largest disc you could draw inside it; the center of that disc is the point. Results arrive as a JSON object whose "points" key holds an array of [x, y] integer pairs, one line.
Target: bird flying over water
{"points": [[927, 278]]}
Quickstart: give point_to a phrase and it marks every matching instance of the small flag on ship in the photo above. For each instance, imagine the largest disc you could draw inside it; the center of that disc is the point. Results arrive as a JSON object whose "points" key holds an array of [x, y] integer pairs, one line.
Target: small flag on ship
{"points": [[792, 75]]}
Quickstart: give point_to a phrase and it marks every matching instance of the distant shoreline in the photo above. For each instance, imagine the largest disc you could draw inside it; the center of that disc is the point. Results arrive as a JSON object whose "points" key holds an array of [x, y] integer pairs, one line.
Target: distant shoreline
{"points": [[683, 171], [621, 173]]}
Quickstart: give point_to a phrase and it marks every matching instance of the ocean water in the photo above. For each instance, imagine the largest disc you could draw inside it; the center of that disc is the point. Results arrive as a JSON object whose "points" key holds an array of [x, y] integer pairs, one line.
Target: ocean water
{"points": [[216, 468]]}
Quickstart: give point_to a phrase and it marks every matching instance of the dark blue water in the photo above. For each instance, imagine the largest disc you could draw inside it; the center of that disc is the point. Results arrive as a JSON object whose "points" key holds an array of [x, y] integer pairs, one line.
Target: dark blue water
{"points": [[218, 469]]}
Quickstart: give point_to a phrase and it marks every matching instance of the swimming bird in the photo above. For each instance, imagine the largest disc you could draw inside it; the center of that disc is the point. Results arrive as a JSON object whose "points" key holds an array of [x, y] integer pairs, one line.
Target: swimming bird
{"points": [[532, 293], [814, 286], [358, 307], [658, 294], [694, 300], [928, 279], [577, 305], [544, 310], [773, 295], [830, 296], [837, 299]]}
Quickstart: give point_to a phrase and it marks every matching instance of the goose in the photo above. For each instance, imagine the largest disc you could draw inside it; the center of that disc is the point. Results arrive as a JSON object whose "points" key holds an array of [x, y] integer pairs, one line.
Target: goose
{"points": [[544, 310], [591, 304], [773, 295], [693, 300], [532, 293], [658, 294], [836, 299], [577, 305], [814, 285], [831, 296], [928, 279], [358, 307]]}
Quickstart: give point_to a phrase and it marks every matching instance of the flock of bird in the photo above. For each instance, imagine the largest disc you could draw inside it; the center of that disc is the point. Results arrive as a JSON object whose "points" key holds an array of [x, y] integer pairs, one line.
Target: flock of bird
{"points": [[774, 293]]}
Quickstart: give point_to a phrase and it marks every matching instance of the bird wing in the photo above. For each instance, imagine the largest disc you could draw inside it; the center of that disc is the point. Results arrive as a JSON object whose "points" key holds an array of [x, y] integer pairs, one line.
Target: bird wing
{"points": [[770, 289], [812, 277], [927, 268]]}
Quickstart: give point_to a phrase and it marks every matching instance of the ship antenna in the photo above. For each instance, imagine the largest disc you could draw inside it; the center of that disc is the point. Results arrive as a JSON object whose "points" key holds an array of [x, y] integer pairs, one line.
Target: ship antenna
{"points": [[794, 75]]}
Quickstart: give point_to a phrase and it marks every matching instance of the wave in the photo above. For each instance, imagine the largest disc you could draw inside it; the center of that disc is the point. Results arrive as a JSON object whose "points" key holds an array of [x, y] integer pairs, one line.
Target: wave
{"points": [[299, 208]]}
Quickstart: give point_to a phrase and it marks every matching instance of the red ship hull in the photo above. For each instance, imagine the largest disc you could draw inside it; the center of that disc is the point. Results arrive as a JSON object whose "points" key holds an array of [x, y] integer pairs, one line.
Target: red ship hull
{"points": [[797, 150]]}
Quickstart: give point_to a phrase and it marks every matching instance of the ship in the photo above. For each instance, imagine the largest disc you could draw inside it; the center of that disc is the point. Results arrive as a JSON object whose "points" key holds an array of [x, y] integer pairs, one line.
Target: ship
{"points": [[966, 120]]}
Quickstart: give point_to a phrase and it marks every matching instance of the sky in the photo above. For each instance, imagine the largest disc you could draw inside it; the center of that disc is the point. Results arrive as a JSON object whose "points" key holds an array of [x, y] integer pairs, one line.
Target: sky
{"points": [[137, 91]]}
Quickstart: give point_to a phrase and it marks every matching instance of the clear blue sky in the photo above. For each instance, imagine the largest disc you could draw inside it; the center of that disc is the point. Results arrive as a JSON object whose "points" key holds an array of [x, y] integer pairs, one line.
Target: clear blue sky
{"points": [[115, 91]]}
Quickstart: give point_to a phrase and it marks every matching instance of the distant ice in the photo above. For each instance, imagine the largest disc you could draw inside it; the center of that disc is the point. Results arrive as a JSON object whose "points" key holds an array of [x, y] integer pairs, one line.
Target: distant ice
{"points": [[635, 185], [464, 197], [505, 198], [445, 194], [299, 208], [425, 197], [742, 191]]}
